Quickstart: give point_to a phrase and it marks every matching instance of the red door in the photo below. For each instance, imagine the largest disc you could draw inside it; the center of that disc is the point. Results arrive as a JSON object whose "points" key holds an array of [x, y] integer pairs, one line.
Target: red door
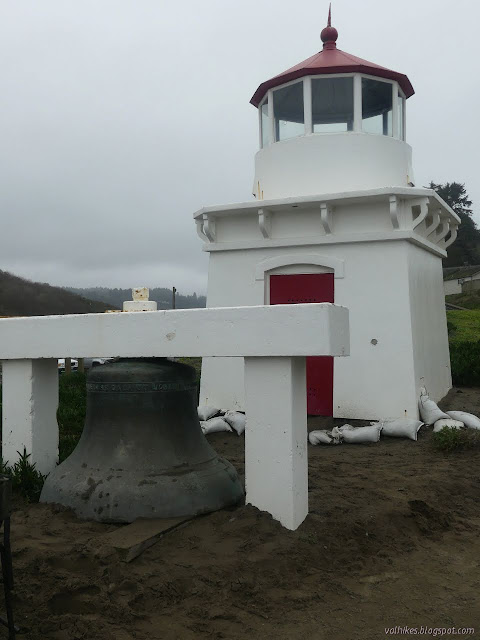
{"points": [[297, 289]]}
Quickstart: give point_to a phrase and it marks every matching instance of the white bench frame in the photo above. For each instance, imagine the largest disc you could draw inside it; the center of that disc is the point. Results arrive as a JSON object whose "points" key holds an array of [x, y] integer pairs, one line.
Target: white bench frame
{"points": [[273, 340]]}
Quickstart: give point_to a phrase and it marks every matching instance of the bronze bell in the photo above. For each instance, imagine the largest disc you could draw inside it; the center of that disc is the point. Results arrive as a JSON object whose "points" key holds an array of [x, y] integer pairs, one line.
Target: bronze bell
{"points": [[142, 453]]}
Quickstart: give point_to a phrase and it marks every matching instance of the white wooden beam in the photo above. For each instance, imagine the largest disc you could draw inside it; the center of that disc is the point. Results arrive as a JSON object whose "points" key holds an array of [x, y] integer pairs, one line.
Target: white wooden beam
{"points": [[277, 330]]}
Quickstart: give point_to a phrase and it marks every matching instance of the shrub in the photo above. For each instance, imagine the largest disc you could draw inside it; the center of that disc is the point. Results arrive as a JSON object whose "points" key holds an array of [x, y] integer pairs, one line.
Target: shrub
{"points": [[26, 479], [450, 439], [465, 362]]}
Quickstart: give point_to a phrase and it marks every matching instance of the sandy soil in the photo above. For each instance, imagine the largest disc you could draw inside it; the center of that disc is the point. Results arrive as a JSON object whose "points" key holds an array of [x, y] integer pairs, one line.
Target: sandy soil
{"points": [[393, 538]]}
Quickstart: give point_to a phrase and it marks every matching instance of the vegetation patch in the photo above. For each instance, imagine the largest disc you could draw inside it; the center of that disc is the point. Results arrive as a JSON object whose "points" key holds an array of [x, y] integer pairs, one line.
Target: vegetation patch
{"points": [[27, 481], [450, 439], [464, 338]]}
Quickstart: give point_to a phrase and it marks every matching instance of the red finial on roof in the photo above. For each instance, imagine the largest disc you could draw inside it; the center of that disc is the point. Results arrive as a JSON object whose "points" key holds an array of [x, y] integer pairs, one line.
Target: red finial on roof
{"points": [[329, 35]]}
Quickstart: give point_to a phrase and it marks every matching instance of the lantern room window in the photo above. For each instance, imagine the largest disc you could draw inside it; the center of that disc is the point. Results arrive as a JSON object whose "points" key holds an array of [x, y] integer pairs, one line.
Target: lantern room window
{"points": [[288, 111], [377, 99], [332, 105]]}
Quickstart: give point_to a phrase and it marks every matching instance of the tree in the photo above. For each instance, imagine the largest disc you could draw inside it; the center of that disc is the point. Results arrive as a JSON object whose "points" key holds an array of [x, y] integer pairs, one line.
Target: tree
{"points": [[466, 248]]}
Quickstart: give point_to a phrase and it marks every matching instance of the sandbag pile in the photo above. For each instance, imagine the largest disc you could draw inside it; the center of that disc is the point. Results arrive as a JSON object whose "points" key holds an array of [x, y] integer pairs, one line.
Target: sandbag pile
{"points": [[432, 414], [401, 428], [347, 433], [468, 419], [213, 420]]}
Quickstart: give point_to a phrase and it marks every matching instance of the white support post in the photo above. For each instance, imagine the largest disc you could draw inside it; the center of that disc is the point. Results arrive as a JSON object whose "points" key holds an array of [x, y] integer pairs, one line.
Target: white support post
{"points": [[29, 420], [395, 128], [271, 117], [357, 103], [276, 459], [307, 105]]}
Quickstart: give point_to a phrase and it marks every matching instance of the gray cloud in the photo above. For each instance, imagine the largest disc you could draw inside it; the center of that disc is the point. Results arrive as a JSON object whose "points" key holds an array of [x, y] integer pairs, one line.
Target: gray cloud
{"points": [[120, 118]]}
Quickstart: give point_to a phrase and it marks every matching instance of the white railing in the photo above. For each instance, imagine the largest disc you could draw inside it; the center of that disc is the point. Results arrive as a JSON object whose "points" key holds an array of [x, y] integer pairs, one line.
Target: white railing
{"points": [[273, 340]]}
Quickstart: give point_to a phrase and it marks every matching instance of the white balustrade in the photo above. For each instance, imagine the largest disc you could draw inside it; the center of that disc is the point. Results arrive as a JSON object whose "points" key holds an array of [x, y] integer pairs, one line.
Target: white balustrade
{"points": [[274, 341]]}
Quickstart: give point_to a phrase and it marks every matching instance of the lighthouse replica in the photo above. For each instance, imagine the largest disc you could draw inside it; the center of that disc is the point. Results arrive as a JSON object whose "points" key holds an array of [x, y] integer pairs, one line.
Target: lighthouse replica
{"points": [[337, 218]]}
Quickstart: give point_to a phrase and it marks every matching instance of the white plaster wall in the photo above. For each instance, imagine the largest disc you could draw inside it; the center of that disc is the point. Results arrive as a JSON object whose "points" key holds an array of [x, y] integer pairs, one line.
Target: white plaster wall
{"points": [[377, 380], [429, 323], [451, 287], [326, 163]]}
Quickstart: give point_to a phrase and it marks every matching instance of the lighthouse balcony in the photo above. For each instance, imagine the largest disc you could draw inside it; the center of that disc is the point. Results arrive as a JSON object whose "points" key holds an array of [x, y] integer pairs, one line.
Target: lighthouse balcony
{"points": [[416, 215]]}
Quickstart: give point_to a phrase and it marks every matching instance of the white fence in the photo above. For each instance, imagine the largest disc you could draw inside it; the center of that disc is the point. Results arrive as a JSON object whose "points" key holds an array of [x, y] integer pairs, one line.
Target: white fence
{"points": [[274, 341]]}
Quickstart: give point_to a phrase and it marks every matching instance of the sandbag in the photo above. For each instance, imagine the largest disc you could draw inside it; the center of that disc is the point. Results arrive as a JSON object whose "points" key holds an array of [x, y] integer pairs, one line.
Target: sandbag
{"points": [[468, 419], [236, 420], [323, 436], [429, 410], [206, 412], [447, 423], [360, 435], [400, 428], [214, 425]]}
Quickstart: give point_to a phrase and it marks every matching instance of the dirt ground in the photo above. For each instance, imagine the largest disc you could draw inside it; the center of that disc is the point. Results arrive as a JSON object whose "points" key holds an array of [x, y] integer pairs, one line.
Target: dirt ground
{"points": [[392, 539]]}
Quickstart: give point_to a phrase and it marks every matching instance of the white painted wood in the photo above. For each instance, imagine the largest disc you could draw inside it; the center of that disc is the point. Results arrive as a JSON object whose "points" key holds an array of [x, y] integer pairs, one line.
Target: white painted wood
{"points": [[276, 459], [307, 105], [453, 236], [395, 131], [271, 121], [209, 227], [199, 225], [445, 228], [394, 211], [423, 204], [265, 222], [434, 225], [326, 217], [280, 330], [319, 241], [353, 196], [30, 401], [357, 103]]}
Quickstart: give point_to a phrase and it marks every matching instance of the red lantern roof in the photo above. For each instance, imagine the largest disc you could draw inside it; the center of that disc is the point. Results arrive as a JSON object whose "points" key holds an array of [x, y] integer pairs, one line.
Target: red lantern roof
{"points": [[332, 60]]}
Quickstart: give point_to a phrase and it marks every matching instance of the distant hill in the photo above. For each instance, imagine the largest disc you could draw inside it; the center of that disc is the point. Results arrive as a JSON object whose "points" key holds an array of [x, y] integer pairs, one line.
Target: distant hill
{"points": [[163, 297], [20, 297]]}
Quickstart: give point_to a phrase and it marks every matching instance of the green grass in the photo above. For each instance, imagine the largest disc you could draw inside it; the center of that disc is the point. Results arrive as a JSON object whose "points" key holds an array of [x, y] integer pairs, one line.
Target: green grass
{"points": [[464, 325], [71, 412], [469, 300], [464, 338]]}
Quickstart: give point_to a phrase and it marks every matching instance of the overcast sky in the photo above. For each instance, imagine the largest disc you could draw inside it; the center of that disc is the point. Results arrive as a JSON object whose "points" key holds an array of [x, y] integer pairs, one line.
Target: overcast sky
{"points": [[120, 118]]}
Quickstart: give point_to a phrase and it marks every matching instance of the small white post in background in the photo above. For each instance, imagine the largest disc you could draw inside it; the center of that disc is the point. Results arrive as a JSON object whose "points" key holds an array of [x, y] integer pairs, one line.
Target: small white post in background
{"points": [[140, 301], [29, 420], [276, 459]]}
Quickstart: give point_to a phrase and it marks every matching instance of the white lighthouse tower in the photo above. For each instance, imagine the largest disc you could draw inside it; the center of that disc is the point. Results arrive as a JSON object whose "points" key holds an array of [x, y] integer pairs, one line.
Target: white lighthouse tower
{"points": [[337, 218]]}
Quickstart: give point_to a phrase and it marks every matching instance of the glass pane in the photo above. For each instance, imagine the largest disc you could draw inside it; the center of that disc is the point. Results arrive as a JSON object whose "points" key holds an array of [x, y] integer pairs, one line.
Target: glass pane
{"points": [[332, 105], [265, 124], [401, 111], [288, 109], [377, 107]]}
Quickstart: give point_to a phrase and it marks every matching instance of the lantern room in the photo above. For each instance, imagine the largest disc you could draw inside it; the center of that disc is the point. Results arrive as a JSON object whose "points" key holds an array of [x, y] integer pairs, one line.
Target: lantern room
{"points": [[321, 119]]}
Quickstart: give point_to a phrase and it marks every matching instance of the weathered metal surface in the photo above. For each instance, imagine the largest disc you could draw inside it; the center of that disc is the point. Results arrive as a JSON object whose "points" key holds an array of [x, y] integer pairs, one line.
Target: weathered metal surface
{"points": [[142, 453]]}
